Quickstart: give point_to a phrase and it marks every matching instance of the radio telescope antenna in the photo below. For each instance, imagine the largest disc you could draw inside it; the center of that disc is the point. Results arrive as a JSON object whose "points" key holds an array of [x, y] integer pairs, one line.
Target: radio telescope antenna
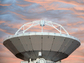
{"points": [[41, 47]]}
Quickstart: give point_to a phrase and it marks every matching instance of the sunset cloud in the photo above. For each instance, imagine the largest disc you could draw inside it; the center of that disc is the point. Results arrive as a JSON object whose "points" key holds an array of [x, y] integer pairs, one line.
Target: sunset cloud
{"points": [[5, 31], [5, 4], [68, 13]]}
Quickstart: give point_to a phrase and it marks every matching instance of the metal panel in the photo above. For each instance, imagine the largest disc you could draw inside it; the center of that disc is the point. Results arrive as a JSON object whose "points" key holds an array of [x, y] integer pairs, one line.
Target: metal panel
{"points": [[11, 47], [74, 48], [17, 43], [57, 57], [36, 53], [67, 45], [51, 54], [71, 47], [58, 41], [36, 42], [45, 54], [26, 43], [26, 55], [32, 55], [63, 46], [47, 42]]}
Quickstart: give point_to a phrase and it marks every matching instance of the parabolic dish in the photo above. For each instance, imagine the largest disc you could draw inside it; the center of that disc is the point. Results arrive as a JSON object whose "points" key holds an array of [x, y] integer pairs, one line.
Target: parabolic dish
{"points": [[50, 46]]}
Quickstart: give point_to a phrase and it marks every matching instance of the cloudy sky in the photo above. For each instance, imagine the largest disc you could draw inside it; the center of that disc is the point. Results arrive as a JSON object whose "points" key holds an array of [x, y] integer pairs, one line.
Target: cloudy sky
{"points": [[68, 13]]}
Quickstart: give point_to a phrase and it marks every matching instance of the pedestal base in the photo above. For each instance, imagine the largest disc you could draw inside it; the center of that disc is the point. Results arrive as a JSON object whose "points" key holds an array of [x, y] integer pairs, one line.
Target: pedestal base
{"points": [[40, 60]]}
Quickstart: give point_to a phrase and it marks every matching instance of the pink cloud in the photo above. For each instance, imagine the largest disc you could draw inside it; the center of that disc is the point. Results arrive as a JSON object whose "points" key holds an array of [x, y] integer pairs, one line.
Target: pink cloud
{"points": [[74, 2], [24, 5], [76, 23], [9, 60], [14, 25], [23, 16], [2, 22], [74, 59], [79, 7], [5, 4], [5, 31], [47, 4]]}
